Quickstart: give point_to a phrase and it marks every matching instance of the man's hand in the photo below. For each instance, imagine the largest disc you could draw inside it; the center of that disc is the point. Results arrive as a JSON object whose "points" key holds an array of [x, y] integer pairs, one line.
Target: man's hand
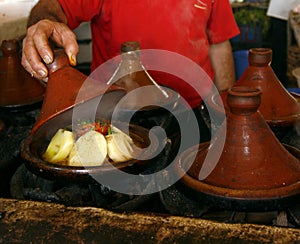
{"points": [[36, 50]]}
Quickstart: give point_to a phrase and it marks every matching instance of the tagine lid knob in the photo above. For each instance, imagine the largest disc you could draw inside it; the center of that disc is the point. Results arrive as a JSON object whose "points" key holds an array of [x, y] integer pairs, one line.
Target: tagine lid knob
{"points": [[260, 56]]}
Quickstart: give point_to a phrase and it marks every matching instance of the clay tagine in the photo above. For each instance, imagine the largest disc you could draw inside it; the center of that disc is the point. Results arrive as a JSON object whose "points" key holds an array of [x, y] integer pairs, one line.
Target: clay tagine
{"points": [[17, 87], [254, 171], [131, 75], [278, 106]]}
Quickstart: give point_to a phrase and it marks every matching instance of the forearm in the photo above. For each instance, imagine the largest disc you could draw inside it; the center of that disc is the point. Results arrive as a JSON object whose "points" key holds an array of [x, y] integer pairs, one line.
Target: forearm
{"points": [[223, 64], [46, 9]]}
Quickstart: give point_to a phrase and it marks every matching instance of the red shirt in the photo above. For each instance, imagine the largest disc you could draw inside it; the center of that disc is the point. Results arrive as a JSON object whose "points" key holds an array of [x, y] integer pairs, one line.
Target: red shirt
{"points": [[186, 27]]}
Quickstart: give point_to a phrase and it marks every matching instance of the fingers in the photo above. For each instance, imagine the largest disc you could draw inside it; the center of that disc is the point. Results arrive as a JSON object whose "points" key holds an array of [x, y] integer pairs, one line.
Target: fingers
{"points": [[31, 59], [37, 52], [71, 47], [66, 38]]}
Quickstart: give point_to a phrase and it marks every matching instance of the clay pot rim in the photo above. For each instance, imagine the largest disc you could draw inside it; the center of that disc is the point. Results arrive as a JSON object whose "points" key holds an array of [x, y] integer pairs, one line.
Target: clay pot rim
{"points": [[24, 105], [10, 46], [228, 193], [246, 91], [261, 50]]}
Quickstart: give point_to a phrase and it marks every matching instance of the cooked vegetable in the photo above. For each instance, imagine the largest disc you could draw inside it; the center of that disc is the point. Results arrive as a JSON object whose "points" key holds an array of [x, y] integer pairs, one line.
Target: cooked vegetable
{"points": [[89, 150], [119, 147], [59, 146], [101, 127], [96, 142], [117, 130]]}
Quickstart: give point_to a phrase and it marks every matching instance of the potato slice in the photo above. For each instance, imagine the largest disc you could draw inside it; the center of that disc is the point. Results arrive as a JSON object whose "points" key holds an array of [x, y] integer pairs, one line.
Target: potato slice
{"points": [[59, 146], [119, 147], [89, 150], [117, 130]]}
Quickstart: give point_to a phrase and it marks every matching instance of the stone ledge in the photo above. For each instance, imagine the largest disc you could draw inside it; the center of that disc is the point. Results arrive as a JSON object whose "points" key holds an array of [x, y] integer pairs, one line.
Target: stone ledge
{"points": [[36, 222]]}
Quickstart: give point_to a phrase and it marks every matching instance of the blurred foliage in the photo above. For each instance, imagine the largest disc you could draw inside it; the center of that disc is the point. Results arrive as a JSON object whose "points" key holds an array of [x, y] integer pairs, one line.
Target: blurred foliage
{"points": [[253, 17]]}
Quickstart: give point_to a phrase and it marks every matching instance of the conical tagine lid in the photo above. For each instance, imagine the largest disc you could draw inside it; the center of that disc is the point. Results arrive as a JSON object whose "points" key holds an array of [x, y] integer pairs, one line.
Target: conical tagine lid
{"points": [[67, 87], [17, 87], [278, 106], [133, 76], [253, 163]]}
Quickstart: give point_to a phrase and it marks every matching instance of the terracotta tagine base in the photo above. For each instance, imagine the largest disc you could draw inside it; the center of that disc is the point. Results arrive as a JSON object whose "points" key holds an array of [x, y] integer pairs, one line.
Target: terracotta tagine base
{"points": [[17, 87], [254, 171], [34, 146]]}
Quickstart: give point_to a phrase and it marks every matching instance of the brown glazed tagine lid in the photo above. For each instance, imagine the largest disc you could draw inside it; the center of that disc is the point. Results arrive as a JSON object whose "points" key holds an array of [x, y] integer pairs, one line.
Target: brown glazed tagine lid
{"points": [[132, 75], [278, 106], [254, 171], [17, 87], [66, 87]]}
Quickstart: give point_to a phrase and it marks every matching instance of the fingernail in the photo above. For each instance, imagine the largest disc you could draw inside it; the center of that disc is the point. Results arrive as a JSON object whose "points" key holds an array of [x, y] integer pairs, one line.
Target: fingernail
{"points": [[42, 73], [73, 60], [47, 59], [45, 79]]}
